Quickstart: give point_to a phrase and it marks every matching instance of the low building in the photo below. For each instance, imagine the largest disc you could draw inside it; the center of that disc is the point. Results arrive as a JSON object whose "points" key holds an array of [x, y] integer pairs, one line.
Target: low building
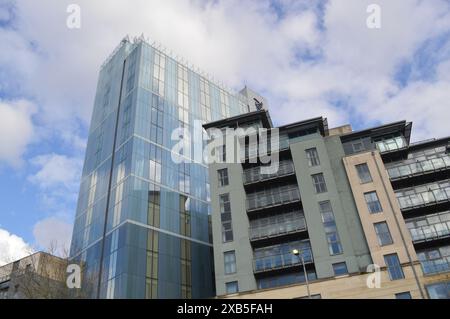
{"points": [[38, 276]]}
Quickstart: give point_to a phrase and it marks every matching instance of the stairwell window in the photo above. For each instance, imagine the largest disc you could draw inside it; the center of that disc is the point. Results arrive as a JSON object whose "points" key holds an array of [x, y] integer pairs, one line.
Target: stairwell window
{"points": [[225, 217], [364, 173], [319, 183], [223, 177], [229, 258], [313, 157], [373, 203], [394, 267], [383, 234]]}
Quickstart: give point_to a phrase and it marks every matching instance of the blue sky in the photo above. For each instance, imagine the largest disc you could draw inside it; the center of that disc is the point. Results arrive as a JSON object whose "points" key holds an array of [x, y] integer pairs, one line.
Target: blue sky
{"points": [[309, 58]]}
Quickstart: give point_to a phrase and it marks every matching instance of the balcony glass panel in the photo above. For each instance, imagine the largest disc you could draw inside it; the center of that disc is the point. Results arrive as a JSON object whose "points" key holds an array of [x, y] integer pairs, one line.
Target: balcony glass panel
{"points": [[391, 144], [273, 196], [436, 260], [429, 227], [277, 225], [407, 169], [280, 256], [424, 195], [254, 174]]}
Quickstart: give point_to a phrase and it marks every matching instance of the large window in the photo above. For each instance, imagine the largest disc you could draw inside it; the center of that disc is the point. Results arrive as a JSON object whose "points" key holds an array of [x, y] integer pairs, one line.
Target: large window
{"points": [[383, 234], [403, 295], [373, 203], [313, 157], [232, 287], [394, 267], [364, 173], [329, 224], [319, 183], [439, 291], [430, 226], [435, 260], [223, 177], [229, 258], [225, 216], [340, 269]]}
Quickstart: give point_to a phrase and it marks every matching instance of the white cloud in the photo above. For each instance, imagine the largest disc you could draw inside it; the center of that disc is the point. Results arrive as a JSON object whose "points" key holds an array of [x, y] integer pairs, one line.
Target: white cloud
{"points": [[58, 179], [16, 130], [56, 171], [12, 247], [255, 46], [53, 234]]}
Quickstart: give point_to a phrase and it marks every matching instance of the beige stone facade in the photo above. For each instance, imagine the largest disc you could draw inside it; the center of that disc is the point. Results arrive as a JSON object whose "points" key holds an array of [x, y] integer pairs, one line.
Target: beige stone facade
{"points": [[350, 287]]}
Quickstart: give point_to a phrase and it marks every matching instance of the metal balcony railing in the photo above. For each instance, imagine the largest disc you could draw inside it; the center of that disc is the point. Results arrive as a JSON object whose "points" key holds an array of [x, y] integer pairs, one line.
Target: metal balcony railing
{"points": [[279, 229], [419, 168], [436, 266], [254, 175], [430, 232], [273, 262], [277, 197], [424, 198]]}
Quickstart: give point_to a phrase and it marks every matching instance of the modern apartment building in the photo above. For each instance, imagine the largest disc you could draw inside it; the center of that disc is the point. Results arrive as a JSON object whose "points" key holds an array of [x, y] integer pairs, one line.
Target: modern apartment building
{"points": [[142, 227], [350, 203]]}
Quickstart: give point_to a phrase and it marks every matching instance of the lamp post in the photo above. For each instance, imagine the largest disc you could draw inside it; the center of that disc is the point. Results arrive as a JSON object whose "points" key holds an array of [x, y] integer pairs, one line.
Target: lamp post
{"points": [[298, 253]]}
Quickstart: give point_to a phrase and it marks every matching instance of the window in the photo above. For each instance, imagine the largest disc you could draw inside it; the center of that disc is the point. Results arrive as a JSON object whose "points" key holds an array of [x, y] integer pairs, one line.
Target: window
{"points": [[373, 203], [340, 269], [223, 177], [403, 295], [364, 173], [230, 262], [358, 146], [232, 287], [225, 216], [318, 296], [383, 234], [394, 267], [329, 224], [439, 291], [221, 153], [319, 183], [313, 157]]}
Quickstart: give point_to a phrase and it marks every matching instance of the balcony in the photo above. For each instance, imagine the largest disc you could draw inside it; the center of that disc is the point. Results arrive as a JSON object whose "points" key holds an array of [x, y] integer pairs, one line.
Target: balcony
{"points": [[277, 229], [436, 266], [390, 145], [253, 175], [419, 168], [282, 261], [272, 198], [430, 232], [425, 198]]}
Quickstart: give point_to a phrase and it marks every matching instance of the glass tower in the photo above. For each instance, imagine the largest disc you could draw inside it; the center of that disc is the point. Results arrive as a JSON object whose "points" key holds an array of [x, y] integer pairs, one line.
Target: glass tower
{"points": [[142, 226]]}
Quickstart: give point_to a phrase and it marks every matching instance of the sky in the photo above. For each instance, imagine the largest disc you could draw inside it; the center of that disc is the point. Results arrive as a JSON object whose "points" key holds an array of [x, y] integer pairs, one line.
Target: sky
{"points": [[308, 58]]}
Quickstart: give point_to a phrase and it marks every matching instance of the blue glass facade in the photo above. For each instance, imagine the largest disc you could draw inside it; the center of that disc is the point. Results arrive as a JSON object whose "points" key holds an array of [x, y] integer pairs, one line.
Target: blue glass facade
{"points": [[142, 227]]}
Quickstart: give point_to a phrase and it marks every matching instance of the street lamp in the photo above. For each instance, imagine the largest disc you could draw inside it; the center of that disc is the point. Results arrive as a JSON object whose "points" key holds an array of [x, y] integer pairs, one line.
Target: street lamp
{"points": [[298, 253]]}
